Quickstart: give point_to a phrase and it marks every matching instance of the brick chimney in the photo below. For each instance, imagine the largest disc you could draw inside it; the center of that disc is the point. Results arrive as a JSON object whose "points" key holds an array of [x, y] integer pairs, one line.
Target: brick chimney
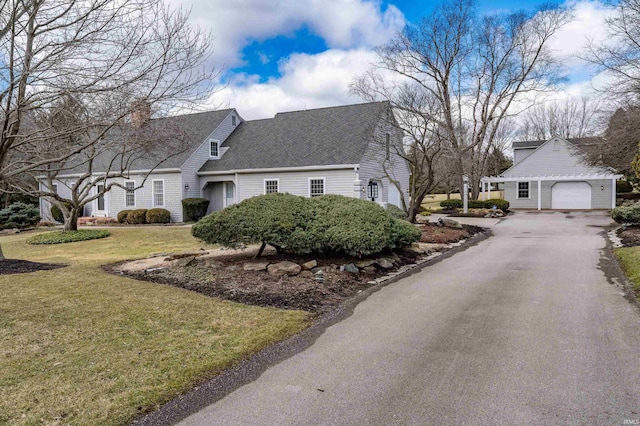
{"points": [[140, 112]]}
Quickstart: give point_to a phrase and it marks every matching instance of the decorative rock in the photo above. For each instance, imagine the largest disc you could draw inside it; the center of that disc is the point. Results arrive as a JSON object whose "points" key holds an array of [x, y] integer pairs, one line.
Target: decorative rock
{"points": [[421, 248], [256, 266], [384, 263], [369, 269], [181, 255], [309, 265], [185, 261], [284, 268], [307, 274], [422, 219], [394, 257], [365, 263], [350, 267], [449, 223], [232, 268]]}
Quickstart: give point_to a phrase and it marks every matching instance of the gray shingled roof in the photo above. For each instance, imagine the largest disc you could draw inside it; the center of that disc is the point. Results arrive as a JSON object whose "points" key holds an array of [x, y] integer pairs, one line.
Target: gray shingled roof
{"points": [[186, 132], [318, 137]]}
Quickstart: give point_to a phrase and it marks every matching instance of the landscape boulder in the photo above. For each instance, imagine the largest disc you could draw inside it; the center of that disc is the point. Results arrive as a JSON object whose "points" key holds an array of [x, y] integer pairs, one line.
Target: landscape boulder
{"points": [[384, 263], [422, 219], [256, 266], [350, 267], [365, 262], [284, 268], [309, 265], [449, 223]]}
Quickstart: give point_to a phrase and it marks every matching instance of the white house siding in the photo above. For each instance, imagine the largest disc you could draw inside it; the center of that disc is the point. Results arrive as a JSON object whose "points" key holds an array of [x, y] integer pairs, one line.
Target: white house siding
{"points": [[144, 196], [371, 166], [201, 155], [600, 194], [336, 182], [547, 161], [520, 154]]}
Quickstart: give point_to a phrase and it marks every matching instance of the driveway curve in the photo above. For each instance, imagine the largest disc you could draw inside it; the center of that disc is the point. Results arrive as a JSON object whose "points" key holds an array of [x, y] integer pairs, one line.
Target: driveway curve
{"points": [[523, 328]]}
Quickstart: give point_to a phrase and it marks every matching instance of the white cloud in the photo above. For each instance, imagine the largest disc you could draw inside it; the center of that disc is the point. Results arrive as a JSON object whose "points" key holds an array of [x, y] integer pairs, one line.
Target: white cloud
{"points": [[307, 81], [343, 24]]}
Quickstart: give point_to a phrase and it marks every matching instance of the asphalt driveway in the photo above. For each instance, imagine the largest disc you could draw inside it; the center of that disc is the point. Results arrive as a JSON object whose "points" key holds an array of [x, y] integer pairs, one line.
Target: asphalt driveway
{"points": [[523, 328]]}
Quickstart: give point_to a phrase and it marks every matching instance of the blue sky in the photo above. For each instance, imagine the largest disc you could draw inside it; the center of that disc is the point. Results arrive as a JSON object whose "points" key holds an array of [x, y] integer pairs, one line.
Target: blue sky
{"points": [[281, 55]]}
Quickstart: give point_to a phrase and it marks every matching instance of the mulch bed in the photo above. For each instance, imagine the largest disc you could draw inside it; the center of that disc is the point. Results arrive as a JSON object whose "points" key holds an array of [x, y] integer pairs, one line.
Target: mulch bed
{"points": [[630, 236], [224, 276], [18, 266]]}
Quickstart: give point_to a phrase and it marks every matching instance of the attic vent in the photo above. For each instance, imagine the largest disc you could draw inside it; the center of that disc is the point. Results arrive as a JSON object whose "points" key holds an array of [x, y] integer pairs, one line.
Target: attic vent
{"points": [[233, 120]]}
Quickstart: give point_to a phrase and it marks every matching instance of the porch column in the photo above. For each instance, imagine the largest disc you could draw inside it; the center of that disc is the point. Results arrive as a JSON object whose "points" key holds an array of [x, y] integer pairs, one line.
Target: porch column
{"points": [[357, 188], [483, 184], [539, 194], [613, 193]]}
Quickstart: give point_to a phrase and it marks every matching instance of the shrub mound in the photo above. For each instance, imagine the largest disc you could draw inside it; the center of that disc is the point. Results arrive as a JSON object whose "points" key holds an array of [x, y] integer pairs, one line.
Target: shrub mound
{"points": [[302, 225], [396, 211], [19, 215], [623, 187], [60, 237], [629, 215], [476, 204], [194, 208], [122, 216], [56, 213], [137, 217], [158, 216]]}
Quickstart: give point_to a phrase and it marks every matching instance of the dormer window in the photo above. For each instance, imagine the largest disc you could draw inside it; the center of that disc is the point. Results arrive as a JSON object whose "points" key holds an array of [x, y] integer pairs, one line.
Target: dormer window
{"points": [[214, 149], [233, 120]]}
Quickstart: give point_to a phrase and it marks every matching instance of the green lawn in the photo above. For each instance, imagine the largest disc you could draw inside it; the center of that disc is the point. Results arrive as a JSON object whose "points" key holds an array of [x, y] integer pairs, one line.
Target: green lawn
{"points": [[432, 201], [629, 258], [79, 346]]}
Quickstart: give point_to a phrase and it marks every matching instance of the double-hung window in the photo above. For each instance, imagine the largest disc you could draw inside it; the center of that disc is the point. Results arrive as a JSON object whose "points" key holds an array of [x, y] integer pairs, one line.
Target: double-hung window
{"points": [[158, 193], [316, 187], [523, 189], [270, 186], [214, 148], [129, 195]]}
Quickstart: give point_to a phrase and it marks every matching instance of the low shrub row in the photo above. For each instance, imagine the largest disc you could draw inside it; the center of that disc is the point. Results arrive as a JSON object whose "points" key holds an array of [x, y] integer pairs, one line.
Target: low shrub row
{"points": [[19, 215], [60, 237], [142, 216], [623, 187], [194, 209], [476, 204], [299, 225]]}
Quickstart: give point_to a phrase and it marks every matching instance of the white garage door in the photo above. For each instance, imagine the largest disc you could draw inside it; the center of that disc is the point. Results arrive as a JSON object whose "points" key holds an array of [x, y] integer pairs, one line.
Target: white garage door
{"points": [[571, 195]]}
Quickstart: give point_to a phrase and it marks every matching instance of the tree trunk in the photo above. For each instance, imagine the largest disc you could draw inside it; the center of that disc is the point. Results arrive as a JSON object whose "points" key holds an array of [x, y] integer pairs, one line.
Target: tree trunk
{"points": [[260, 250], [413, 212], [71, 222], [1, 253]]}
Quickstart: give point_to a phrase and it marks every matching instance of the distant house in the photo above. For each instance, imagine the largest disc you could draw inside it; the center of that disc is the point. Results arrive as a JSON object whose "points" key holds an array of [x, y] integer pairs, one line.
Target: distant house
{"points": [[551, 175], [348, 150]]}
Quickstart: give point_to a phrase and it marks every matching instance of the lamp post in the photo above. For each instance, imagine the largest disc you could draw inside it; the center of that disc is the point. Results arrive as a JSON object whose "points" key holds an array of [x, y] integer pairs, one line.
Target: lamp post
{"points": [[465, 196]]}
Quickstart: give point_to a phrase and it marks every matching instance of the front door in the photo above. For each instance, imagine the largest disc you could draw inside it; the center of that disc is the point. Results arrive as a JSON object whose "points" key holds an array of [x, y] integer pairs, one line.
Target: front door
{"points": [[229, 191]]}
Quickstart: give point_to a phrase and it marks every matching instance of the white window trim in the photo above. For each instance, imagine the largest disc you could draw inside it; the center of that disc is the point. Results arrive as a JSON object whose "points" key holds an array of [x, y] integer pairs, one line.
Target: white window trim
{"points": [[264, 186], [104, 198], [518, 190], [324, 185], [54, 188], [217, 143], [126, 192], [153, 193]]}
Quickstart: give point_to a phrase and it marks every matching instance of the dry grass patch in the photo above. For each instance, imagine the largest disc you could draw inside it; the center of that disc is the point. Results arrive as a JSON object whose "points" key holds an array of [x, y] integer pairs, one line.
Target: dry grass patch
{"points": [[629, 258], [79, 346]]}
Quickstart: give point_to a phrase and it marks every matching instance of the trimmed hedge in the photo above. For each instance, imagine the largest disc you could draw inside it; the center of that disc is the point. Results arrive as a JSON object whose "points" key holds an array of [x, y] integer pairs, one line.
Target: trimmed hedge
{"points": [[451, 204], [194, 208], [629, 215], [137, 217], [158, 215], [122, 216], [19, 215], [623, 187], [330, 223], [61, 237], [476, 204]]}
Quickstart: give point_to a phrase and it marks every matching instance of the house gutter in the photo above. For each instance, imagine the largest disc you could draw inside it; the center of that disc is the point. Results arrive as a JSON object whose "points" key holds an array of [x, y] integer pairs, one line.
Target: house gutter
{"points": [[281, 169], [116, 174]]}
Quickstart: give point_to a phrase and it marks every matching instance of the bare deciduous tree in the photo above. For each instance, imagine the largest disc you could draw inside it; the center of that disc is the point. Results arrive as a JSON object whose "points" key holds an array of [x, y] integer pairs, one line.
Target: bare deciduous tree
{"points": [[478, 69], [413, 110], [105, 54], [571, 118]]}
